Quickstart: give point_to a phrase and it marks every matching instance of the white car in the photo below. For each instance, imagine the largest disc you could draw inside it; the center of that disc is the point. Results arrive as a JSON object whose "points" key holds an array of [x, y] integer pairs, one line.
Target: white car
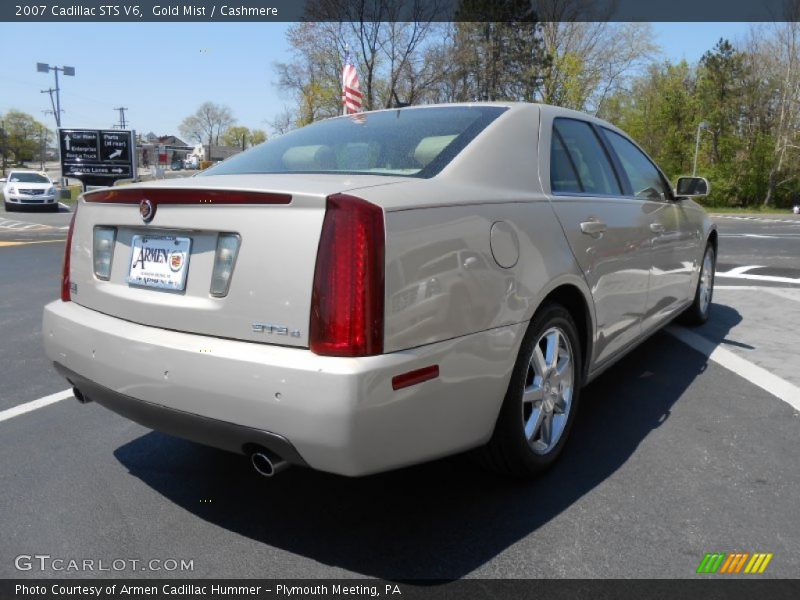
{"points": [[796, 209], [378, 290], [29, 188]]}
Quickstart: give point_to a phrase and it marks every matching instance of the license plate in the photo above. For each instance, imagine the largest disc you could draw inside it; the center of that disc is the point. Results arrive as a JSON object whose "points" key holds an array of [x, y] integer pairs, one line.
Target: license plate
{"points": [[159, 261]]}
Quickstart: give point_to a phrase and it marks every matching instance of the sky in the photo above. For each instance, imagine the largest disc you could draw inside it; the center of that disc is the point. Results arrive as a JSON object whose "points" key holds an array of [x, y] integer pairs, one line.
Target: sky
{"points": [[163, 71]]}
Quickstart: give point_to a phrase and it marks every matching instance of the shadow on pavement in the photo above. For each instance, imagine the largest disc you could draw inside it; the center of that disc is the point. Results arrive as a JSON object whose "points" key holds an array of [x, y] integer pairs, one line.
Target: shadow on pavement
{"points": [[438, 520], [723, 319]]}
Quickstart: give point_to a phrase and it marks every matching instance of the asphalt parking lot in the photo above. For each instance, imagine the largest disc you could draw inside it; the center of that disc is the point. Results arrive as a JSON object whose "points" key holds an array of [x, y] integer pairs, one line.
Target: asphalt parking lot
{"points": [[687, 446]]}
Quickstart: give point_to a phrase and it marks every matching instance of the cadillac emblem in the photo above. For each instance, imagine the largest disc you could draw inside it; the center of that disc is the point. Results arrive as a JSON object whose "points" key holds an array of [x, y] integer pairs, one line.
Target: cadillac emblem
{"points": [[147, 210], [176, 261]]}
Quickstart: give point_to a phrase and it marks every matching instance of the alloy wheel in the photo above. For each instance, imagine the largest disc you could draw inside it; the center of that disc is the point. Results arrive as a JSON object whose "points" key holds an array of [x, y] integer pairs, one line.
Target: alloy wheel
{"points": [[547, 395]]}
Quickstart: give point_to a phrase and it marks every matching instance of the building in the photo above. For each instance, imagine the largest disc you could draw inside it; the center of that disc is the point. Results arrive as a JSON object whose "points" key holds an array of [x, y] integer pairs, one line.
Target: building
{"points": [[162, 150]]}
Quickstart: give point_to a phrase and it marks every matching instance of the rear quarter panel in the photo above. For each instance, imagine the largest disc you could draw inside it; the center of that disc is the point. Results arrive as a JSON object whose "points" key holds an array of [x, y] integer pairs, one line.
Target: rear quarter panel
{"points": [[443, 276]]}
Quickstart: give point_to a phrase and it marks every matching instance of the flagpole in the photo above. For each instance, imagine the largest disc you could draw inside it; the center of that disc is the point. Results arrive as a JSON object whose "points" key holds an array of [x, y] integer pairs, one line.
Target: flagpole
{"points": [[346, 56]]}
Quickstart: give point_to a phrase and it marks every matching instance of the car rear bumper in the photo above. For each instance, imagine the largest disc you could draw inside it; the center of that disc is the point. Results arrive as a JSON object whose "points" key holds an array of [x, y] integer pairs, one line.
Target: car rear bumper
{"points": [[221, 434], [334, 414]]}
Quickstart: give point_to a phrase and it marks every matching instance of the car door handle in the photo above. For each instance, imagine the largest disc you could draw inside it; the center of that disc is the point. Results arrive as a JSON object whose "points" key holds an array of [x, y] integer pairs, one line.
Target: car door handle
{"points": [[657, 228], [593, 228]]}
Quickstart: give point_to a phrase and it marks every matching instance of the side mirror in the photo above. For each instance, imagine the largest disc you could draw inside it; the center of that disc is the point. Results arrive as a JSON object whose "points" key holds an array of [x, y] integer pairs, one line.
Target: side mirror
{"points": [[692, 187]]}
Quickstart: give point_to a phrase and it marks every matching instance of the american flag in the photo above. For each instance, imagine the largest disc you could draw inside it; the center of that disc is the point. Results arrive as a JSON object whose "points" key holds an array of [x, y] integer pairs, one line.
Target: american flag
{"points": [[351, 96]]}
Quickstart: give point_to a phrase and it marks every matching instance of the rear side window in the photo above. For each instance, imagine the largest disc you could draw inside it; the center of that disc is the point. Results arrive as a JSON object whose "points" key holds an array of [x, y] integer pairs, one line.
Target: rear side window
{"points": [[644, 177], [563, 177], [412, 142], [586, 159]]}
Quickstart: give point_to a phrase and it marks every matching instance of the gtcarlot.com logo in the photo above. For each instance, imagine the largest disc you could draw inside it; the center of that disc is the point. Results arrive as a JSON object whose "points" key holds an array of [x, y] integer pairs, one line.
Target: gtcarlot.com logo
{"points": [[46, 562], [734, 563]]}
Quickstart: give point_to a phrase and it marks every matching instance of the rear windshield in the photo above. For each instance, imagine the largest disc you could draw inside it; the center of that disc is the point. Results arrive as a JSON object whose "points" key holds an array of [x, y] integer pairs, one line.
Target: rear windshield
{"points": [[411, 142], [28, 178]]}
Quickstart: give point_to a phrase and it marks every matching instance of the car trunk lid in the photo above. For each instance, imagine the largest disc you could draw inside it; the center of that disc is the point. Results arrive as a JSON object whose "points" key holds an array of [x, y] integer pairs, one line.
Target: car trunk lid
{"points": [[277, 219]]}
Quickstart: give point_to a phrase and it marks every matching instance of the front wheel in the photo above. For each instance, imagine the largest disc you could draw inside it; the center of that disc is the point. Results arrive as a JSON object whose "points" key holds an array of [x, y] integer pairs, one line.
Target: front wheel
{"points": [[698, 312], [542, 397], [9, 207]]}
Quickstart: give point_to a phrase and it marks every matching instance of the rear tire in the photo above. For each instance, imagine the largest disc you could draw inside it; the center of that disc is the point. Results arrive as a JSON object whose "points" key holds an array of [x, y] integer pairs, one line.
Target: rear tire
{"points": [[698, 312], [542, 398]]}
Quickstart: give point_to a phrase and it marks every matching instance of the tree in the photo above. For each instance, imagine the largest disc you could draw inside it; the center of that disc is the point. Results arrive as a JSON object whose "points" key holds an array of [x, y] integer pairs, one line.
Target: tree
{"points": [[283, 122], [590, 61], [242, 137], [23, 134], [499, 50], [207, 123], [780, 57], [721, 85], [387, 41], [659, 111], [257, 136], [236, 136]]}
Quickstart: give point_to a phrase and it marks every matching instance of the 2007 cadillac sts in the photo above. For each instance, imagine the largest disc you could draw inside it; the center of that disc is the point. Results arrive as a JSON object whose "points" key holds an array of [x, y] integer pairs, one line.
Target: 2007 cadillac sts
{"points": [[378, 290]]}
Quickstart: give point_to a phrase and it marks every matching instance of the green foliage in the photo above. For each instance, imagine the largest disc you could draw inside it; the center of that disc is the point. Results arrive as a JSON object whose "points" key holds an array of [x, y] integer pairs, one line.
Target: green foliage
{"points": [[660, 113], [499, 52], [664, 107], [23, 136], [236, 136], [257, 136]]}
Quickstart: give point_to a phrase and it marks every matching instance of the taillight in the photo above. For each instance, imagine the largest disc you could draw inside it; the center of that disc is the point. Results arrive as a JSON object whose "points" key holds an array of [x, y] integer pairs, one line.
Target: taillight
{"points": [[347, 299], [66, 291]]}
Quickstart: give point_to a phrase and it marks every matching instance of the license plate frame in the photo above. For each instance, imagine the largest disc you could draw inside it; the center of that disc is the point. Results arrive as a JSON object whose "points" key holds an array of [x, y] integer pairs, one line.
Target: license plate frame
{"points": [[158, 274]]}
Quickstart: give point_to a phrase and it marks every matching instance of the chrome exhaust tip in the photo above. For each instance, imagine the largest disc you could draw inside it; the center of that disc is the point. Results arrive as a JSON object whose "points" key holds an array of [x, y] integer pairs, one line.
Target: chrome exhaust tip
{"points": [[266, 463], [79, 396]]}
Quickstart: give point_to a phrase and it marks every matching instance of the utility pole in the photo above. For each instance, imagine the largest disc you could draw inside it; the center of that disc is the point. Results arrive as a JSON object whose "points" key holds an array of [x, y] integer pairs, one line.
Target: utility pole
{"points": [[53, 104], [3, 139], [68, 71], [121, 110], [41, 147], [42, 131], [700, 127]]}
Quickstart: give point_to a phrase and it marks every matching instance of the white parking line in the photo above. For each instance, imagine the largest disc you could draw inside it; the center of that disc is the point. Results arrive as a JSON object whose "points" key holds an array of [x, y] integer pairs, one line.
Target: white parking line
{"points": [[780, 388], [772, 278], [17, 225], [16, 411], [742, 273], [789, 221]]}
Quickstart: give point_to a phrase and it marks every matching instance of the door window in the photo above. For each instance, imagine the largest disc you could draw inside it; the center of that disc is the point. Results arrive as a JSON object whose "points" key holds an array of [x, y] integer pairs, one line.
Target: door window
{"points": [[589, 162], [643, 175]]}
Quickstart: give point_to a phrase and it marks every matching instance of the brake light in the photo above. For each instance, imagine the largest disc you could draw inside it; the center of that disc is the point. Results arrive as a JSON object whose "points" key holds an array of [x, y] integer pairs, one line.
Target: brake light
{"points": [[66, 289], [348, 294]]}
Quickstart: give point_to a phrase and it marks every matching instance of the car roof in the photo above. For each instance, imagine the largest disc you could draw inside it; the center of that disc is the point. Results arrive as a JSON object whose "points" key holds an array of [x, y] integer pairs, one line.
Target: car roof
{"points": [[556, 111], [27, 171]]}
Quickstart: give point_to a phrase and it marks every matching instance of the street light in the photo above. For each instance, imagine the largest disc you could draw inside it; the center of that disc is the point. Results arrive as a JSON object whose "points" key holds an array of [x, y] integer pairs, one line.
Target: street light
{"points": [[700, 127], [68, 71]]}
